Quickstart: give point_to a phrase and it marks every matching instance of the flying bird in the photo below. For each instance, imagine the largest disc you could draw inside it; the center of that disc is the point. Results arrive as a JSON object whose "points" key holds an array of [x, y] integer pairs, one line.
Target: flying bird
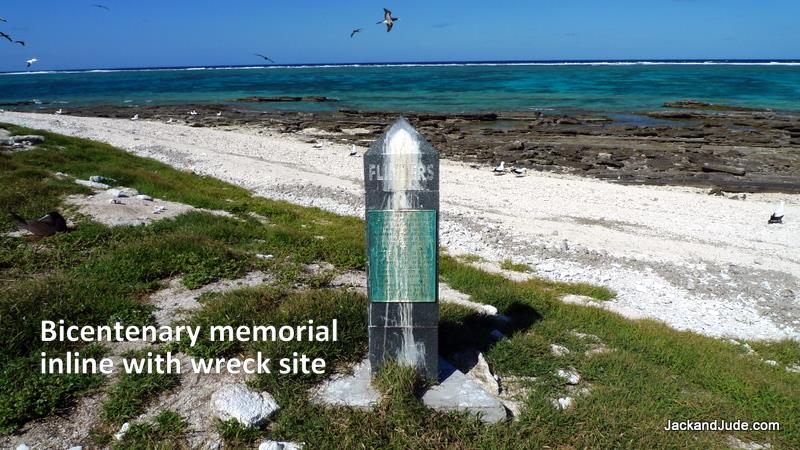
{"points": [[777, 215], [3, 35], [262, 56], [500, 169], [47, 225], [355, 31], [22, 43], [3, 20], [31, 61], [95, 5], [388, 19]]}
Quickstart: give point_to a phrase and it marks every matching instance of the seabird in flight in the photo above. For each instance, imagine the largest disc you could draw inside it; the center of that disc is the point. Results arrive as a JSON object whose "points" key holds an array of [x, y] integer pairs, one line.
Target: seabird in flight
{"points": [[777, 215], [265, 58], [47, 225], [3, 20], [355, 31], [22, 43], [3, 35], [388, 19], [31, 61], [95, 5]]}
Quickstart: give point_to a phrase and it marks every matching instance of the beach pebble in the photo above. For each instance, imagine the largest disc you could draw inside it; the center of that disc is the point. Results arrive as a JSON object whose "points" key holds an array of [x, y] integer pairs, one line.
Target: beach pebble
{"points": [[571, 376], [122, 431], [249, 408], [279, 445]]}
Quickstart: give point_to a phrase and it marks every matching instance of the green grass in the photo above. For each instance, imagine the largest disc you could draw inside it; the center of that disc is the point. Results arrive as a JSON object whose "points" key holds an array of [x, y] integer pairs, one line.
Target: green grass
{"points": [[130, 395], [97, 275], [507, 264], [164, 432]]}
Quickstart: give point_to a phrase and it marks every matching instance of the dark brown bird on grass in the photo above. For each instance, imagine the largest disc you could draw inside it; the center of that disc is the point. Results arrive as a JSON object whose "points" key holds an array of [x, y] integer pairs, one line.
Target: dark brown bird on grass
{"points": [[47, 225]]}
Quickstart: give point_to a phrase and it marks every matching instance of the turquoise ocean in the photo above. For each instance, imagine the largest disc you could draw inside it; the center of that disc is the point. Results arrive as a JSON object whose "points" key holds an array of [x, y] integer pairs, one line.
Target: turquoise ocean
{"points": [[594, 86]]}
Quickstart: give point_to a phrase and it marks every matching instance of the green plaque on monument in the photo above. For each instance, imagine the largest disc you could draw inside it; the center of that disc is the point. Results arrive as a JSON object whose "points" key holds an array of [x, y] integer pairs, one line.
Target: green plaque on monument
{"points": [[402, 255]]}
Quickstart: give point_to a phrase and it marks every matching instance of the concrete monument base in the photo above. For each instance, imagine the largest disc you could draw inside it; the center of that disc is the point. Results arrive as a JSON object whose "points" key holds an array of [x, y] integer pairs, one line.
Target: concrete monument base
{"points": [[455, 392]]}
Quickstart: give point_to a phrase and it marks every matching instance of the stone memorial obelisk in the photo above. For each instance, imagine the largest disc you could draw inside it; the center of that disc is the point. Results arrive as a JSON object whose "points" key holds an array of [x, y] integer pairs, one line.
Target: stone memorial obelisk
{"points": [[401, 177]]}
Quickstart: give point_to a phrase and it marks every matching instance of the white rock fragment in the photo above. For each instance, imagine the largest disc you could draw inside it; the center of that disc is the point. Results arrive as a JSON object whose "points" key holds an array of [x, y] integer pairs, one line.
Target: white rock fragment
{"points": [[737, 443], [279, 445], [122, 431], [571, 376], [159, 209], [264, 256], [794, 368], [144, 197], [558, 350], [77, 447], [770, 362], [23, 446], [92, 184], [247, 407], [563, 403]]}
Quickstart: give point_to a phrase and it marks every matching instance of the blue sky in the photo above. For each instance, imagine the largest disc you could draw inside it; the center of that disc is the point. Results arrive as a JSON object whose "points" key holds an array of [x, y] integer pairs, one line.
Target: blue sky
{"points": [[138, 33]]}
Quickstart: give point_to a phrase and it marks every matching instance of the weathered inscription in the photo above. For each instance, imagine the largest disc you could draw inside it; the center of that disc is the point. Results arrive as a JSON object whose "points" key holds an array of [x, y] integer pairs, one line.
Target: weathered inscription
{"points": [[402, 256]]}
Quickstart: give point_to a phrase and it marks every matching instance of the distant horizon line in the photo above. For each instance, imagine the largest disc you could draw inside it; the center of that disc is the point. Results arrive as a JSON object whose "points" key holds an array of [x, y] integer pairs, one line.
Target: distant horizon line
{"points": [[552, 62]]}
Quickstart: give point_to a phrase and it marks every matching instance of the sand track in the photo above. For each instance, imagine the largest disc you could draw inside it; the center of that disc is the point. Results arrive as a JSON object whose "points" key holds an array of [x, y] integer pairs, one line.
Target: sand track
{"points": [[704, 263]]}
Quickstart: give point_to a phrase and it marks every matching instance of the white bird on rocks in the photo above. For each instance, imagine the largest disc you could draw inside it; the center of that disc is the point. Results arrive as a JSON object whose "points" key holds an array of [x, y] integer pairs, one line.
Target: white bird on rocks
{"points": [[59, 112], [31, 61], [170, 120], [519, 171], [353, 151], [777, 215], [500, 169], [135, 117], [219, 114], [192, 113]]}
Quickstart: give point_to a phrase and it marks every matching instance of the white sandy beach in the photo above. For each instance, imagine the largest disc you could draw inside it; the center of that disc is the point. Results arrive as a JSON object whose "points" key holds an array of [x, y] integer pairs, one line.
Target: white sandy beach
{"points": [[697, 262]]}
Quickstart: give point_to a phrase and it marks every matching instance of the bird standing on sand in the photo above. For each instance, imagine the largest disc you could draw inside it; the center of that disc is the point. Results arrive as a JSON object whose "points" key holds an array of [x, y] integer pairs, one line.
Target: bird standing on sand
{"points": [[265, 58], [192, 113], [388, 19], [219, 114], [135, 117], [777, 215], [59, 112], [170, 120], [353, 151], [31, 61], [501, 169], [7, 37], [519, 171], [47, 225], [355, 31]]}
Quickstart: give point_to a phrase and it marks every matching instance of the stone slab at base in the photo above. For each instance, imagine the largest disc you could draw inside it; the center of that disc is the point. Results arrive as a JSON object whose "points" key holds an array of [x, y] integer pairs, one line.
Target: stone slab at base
{"points": [[455, 392]]}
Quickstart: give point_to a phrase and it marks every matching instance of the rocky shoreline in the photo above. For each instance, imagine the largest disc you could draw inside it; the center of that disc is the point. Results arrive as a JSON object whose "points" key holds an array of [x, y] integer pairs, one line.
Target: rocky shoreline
{"points": [[724, 149]]}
